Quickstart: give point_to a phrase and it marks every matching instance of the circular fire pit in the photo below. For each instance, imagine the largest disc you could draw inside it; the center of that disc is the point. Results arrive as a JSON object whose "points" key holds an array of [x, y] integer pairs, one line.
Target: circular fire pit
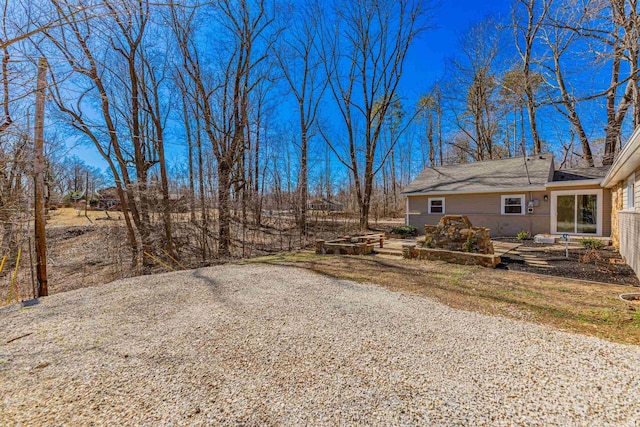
{"points": [[632, 297]]}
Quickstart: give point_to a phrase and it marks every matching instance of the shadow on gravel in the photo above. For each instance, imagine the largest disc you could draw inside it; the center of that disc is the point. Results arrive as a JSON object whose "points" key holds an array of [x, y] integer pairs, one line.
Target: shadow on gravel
{"points": [[215, 290], [588, 308]]}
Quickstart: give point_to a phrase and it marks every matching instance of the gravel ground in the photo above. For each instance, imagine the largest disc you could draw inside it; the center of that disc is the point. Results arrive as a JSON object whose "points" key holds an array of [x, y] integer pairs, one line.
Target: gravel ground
{"points": [[277, 345]]}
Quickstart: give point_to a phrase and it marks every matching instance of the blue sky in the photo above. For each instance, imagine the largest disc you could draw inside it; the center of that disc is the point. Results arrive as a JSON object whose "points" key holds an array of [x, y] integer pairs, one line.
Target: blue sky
{"points": [[424, 63]]}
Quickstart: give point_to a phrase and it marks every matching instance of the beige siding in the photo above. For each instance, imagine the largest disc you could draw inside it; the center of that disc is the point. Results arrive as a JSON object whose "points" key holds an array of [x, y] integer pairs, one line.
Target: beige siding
{"points": [[629, 226], [484, 210], [630, 238], [637, 188]]}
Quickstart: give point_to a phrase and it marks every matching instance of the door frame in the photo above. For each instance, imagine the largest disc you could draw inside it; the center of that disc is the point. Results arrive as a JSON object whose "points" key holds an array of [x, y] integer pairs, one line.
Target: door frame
{"points": [[554, 210]]}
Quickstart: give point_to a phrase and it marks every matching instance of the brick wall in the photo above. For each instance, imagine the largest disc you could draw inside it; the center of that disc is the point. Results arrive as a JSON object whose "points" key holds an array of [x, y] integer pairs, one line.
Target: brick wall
{"points": [[629, 226]]}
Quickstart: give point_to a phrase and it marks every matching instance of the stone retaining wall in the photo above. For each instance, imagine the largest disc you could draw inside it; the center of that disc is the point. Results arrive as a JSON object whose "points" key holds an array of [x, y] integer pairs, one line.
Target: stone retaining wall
{"points": [[454, 257], [343, 248]]}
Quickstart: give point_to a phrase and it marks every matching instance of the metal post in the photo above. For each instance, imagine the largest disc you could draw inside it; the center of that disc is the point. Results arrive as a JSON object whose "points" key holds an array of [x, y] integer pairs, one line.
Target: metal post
{"points": [[38, 146]]}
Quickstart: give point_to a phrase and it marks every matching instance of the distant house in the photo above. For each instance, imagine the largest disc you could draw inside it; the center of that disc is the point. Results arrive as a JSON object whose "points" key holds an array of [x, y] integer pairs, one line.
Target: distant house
{"points": [[623, 179], [512, 195], [107, 198], [325, 205]]}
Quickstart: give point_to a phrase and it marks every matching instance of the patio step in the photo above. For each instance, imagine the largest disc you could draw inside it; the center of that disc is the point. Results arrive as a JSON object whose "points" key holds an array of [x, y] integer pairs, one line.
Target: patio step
{"points": [[555, 238], [388, 251]]}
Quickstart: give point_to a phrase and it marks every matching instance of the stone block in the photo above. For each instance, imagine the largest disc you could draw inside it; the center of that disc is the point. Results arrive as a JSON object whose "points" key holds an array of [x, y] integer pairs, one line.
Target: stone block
{"points": [[453, 257]]}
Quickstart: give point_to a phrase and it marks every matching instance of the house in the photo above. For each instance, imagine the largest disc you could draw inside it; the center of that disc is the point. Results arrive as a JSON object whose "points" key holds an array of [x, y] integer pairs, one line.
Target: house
{"points": [[324, 205], [623, 180], [107, 198], [512, 195]]}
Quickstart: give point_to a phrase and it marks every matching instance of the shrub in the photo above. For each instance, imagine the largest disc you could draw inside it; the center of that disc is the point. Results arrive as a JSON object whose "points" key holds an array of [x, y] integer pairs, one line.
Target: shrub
{"points": [[590, 243], [405, 230], [524, 235], [591, 257], [468, 245]]}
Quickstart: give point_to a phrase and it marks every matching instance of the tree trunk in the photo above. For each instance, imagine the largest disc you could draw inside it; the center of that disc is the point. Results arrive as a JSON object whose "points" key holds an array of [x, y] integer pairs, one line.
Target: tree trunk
{"points": [[302, 180], [224, 209]]}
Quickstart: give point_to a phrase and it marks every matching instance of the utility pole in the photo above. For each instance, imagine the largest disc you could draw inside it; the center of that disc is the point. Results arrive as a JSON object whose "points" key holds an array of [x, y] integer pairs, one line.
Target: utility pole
{"points": [[38, 167]]}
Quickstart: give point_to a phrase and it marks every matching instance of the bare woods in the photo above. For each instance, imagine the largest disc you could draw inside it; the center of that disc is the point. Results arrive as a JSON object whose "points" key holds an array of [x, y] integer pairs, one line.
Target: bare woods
{"points": [[234, 125]]}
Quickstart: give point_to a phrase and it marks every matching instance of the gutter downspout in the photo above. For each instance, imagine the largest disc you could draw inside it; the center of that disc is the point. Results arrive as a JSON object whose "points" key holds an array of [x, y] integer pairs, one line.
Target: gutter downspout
{"points": [[406, 211]]}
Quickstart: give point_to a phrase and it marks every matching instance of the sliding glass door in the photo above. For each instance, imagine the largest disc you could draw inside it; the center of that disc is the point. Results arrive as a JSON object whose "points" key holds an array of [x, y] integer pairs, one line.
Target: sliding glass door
{"points": [[566, 213], [587, 214], [576, 212]]}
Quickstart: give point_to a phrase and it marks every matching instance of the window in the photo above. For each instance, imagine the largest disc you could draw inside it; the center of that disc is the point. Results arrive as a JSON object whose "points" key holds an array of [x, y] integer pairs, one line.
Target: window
{"points": [[631, 184], [436, 205], [513, 204], [577, 212]]}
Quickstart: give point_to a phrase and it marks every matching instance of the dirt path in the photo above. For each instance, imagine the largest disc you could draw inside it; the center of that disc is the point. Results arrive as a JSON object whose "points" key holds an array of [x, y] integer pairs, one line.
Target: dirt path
{"points": [[259, 344]]}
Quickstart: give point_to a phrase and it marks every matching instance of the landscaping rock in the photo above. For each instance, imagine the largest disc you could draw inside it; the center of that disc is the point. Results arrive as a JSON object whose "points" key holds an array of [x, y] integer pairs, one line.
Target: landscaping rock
{"points": [[455, 233]]}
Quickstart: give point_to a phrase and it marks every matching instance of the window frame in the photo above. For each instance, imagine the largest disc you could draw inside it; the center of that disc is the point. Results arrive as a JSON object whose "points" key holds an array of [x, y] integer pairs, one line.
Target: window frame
{"points": [[523, 204], [441, 199], [600, 209]]}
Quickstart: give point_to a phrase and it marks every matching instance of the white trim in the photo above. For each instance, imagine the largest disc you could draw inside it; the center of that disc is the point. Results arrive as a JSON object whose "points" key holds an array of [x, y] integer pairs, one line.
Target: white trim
{"points": [[625, 160], [554, 210], [523, 205], [489, 191], [576, 183], [435, 199], [406, 216], [547, 185], [630, 188]]}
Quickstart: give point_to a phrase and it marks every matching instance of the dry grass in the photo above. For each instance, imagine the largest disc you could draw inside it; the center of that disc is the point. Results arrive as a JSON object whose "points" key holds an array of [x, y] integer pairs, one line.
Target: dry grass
{"points": [[574, 305], [69, 217], [77, 257]]}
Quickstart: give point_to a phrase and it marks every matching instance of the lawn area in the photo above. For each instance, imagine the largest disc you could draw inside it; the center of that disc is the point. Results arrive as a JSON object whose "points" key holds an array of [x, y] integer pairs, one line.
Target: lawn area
{"points": [[65, 217], [578, 306]]}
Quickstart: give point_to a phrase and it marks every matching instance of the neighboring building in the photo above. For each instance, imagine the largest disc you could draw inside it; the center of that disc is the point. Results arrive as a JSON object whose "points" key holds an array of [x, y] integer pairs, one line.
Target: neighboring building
{"points": [[107, 198], [624, 181], [325, 205], [512, 195]]}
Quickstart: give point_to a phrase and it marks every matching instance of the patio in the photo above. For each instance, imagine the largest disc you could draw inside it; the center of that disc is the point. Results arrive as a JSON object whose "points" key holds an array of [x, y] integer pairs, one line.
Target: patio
{"points": [[604, 265]]}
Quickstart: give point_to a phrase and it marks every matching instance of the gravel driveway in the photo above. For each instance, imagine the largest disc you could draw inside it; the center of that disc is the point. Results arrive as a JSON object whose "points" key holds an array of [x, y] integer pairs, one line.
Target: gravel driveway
{"points": [[277, 345]]}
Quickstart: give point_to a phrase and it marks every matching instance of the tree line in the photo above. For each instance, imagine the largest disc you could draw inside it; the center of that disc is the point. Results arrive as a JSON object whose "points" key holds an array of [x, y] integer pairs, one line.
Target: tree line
{"points": [[252, 107]]}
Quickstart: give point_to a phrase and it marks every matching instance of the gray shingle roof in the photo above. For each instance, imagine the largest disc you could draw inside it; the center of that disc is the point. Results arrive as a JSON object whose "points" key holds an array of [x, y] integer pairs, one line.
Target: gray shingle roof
{"points": [[484, 176], [577, 174]]}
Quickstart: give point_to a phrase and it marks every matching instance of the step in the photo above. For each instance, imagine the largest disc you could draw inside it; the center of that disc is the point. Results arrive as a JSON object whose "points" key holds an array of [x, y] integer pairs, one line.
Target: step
{"points": [[387, 251]]}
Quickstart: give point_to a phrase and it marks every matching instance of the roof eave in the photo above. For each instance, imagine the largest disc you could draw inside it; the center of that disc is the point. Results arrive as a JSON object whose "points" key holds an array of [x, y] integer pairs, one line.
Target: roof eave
{"points": [[574, 183], [622, 167], [485, 191], [545, 187]]}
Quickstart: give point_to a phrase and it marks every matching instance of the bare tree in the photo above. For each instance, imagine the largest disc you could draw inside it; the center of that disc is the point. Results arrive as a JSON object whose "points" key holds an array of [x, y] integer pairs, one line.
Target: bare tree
{"points": [[528, 17], [300, 64], [621, 36], [559, 36], [473, 90], [80, 46], [363, 54], [223, 97]]}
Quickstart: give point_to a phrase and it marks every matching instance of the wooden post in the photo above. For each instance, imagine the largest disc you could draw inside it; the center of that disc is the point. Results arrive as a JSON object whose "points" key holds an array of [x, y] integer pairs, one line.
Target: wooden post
{"points": [[38, 146]]}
